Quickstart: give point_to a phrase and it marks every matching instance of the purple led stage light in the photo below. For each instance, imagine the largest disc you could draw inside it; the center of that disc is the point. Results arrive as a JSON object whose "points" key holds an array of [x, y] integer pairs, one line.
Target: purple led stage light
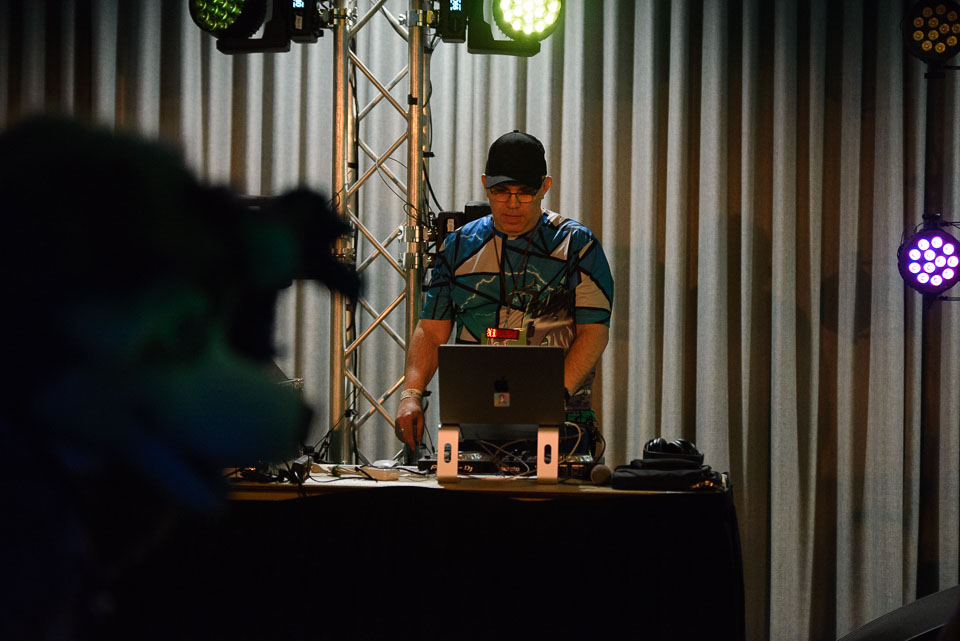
{"points": [[928, 261]]}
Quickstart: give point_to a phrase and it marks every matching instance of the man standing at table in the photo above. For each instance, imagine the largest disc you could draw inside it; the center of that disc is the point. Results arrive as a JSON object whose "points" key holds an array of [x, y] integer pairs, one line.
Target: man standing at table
{"points": [[520, 267]]}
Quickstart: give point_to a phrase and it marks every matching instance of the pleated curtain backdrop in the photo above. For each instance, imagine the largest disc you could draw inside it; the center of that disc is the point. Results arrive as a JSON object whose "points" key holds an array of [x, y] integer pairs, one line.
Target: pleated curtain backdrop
{"points": [[750, 168]]}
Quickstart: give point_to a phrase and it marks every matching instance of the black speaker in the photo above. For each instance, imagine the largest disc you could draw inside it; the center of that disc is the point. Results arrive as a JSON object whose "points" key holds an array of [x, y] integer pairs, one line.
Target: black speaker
{"points": [[921, 620]]}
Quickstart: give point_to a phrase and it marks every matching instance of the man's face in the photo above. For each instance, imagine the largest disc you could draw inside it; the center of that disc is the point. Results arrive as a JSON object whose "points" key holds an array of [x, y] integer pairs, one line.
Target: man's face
{"points": [[511, 216]]}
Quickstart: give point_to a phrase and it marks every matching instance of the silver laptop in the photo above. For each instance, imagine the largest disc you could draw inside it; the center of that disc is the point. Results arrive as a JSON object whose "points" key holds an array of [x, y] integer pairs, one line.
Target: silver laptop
{"points": [[495, 391]]}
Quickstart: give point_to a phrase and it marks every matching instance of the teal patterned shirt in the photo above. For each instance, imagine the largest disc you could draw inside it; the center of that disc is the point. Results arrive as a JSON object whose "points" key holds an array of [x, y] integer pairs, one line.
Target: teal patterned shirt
{"points": [[548, 280]]}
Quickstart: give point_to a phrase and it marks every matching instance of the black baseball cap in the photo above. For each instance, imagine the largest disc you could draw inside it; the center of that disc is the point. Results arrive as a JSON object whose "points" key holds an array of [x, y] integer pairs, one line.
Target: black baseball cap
{"points": [[516, 157]]}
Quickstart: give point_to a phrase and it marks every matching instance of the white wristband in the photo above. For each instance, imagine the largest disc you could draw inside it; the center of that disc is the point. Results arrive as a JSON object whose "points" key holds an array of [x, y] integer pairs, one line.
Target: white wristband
{"points": [[411, 393]]}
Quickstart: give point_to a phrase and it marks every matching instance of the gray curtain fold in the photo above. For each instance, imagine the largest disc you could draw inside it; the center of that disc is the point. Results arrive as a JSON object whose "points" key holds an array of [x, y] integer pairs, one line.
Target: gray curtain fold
{"points": [[750, 168]]}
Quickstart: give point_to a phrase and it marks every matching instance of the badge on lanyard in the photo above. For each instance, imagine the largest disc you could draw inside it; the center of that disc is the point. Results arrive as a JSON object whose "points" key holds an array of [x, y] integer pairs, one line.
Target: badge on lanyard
{"points": [[504, 336]]}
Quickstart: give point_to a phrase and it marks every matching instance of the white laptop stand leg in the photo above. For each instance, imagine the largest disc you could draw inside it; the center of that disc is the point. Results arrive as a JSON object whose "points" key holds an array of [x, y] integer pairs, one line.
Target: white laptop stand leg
{"points": [[548, 453], [448, 453]]}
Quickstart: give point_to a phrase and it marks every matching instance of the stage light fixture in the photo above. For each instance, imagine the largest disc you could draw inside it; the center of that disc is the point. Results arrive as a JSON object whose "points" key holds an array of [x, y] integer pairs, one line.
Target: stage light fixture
{"points": [[929, 261], [229, 18], [234, 22], [527, 19], [452, 21], [931, 30], [523, 23]]}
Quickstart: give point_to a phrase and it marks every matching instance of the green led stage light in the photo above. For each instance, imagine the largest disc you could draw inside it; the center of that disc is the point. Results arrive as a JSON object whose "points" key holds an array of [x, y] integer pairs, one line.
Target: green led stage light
{"points": [[524, 22], [234, 22], [527, 19], [229, 18]]}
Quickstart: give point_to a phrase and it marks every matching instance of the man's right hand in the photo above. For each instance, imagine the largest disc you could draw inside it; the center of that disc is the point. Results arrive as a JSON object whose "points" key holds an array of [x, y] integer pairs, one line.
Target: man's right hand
{"points": [[421, 364], [409, 422]]}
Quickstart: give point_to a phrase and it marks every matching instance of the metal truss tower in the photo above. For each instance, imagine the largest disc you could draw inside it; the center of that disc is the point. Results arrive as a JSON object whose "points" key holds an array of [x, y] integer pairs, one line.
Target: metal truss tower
{"points": [[347, 146]]}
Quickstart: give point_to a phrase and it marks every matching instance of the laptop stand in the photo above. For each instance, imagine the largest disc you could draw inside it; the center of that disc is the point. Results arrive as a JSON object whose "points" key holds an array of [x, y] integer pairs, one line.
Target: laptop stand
{"points": [[448, 452]]}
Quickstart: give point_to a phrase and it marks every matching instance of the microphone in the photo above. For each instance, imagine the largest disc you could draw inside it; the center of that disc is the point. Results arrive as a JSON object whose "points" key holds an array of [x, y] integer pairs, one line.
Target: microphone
{"points": [[600, 474]]}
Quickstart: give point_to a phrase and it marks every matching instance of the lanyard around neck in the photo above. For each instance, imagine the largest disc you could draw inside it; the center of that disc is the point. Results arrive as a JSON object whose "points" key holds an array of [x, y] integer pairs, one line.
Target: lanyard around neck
{"points": [[502, 259]]}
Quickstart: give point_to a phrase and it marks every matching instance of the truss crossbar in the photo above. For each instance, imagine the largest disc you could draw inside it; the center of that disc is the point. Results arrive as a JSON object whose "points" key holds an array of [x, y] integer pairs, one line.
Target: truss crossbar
{"points": [[372, 411], [376, 323], [375, 403], [365, 18], [399, 28], [373, 241], [376, 83], [385, 326], [386, 170], [372, 257], [377, 98], [382, 159]]}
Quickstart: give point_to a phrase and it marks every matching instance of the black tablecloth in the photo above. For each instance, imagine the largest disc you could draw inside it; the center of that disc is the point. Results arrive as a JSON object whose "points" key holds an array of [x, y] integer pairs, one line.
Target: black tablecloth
{"points": [[414, 563]]}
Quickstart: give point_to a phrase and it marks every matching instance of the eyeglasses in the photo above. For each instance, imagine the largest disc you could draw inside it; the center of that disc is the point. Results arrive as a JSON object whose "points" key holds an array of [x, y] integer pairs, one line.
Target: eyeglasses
{"points": [[503, 195]]}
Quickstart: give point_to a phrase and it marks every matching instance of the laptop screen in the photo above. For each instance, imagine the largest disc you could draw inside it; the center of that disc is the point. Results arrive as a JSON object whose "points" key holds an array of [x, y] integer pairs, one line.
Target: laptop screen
{"points": [[501, 391]]}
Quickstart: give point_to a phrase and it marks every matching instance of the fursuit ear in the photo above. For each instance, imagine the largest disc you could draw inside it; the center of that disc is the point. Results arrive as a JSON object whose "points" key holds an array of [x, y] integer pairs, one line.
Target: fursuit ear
{"points": [[315, 228]]}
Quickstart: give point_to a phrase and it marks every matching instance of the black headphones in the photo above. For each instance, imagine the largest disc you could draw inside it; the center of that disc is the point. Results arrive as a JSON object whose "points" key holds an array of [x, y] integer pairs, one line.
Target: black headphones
{"points": [[661, 448]]}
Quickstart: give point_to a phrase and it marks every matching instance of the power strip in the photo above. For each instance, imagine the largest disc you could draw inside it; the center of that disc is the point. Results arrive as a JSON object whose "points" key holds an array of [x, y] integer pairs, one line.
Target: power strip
{"points": [[367, 471], [382, 473]]}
